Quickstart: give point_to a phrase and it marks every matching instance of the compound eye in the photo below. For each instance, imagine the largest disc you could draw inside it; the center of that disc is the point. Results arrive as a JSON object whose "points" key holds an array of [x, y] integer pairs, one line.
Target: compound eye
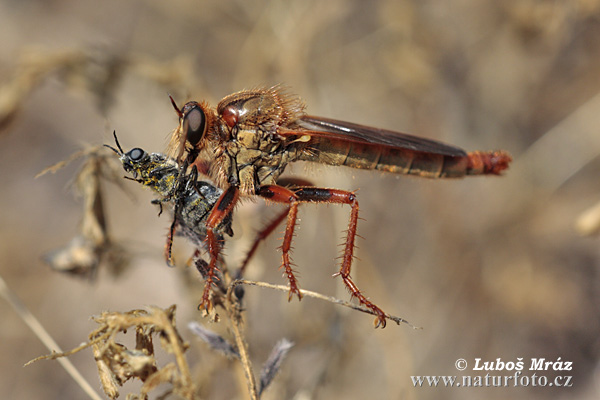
{"points": [[136, 154], [194, 123]]}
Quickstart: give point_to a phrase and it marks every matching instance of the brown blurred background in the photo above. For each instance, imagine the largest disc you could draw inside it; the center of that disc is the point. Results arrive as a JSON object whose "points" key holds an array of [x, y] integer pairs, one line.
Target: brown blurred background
{"points": [[488, 267]]}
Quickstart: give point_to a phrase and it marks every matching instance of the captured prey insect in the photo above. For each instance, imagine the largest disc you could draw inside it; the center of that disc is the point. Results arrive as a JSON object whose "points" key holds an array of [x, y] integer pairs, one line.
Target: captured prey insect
{"points": [[247, 141], [192, 200]]}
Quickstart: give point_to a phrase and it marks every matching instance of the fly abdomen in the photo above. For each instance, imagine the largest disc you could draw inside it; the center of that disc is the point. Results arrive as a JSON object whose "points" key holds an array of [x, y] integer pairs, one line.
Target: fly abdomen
{"points": [[404, 161]]}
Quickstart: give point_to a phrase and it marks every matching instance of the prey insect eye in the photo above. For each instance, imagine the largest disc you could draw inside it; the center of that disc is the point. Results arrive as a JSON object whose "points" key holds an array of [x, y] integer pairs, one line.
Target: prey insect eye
{"points": [[194, 122], [136, 154]]}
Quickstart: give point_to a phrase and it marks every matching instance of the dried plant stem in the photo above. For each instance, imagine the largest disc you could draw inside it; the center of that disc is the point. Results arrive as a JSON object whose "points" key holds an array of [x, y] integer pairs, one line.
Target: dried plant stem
{"points": [[320, 296], [233, 313], [178, 351], [45, 338], [232, 307]]}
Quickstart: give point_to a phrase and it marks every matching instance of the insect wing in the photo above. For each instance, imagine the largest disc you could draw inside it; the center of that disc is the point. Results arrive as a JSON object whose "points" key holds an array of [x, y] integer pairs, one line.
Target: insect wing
{"points": [[347, 131]]}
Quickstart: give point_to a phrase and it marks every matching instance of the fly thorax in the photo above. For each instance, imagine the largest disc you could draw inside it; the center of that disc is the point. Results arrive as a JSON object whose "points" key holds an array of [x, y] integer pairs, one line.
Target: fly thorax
{"points": [[230, 149], [221, 168], [248, 183], [268, 175], [249, 139]]}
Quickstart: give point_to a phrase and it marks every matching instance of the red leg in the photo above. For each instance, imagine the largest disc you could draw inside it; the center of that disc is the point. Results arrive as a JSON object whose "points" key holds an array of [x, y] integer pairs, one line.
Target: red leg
{"points": [[279, 194], [222, 209], [286, 246], [260, 236], [344, 197], [270, 227], [319, 195]]}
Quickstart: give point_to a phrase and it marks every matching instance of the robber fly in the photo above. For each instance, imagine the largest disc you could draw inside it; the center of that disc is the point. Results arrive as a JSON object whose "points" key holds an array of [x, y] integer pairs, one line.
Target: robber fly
{"points": [[249, 138], [192, 199]]}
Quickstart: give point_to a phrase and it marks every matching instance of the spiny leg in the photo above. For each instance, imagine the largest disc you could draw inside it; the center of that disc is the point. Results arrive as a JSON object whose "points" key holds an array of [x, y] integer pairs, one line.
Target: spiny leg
{"points": [[222, 209], [286, 247], [260, 236], [289, 183], [319, 195], [279, 194], [201, 266], [214, 249], [347, 264]]}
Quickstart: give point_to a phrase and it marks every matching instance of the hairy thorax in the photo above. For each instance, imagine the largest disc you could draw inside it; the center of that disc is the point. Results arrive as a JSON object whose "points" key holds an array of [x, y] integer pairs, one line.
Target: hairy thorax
{"points": [[251, 157]]}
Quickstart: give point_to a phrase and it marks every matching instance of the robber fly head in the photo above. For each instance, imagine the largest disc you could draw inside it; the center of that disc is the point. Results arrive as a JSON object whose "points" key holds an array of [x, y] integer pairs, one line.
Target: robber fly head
{"points": [[194, 122]]}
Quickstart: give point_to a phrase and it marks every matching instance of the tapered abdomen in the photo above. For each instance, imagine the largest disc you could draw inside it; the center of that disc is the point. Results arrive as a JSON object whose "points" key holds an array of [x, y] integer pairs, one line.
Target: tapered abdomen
{"points": [[405, 161]]}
